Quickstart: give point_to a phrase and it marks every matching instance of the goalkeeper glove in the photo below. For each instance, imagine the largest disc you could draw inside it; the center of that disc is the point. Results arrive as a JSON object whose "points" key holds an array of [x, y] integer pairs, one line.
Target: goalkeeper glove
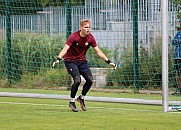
{"points": [[57, 60], [114, 66]]}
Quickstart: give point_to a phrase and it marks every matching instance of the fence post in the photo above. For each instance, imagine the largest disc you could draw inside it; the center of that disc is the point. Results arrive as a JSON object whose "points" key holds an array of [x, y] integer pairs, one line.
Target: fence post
{"points": [[8, 40], [135, 45], [68, 33], [68, 18]]}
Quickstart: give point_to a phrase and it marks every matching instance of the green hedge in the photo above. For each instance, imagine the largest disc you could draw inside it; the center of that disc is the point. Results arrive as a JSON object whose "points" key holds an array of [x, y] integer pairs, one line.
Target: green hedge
{"points": [[150, 68], [31, 58], [30, 53]]}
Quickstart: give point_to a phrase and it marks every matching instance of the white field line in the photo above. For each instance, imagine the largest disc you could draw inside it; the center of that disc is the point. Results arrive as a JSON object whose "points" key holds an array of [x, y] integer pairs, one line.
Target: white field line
{"points": [[90, 98], [56, 105]]}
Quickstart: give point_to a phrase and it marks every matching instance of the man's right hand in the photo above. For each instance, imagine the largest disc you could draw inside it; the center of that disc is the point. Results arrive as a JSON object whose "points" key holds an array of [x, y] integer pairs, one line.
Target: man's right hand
{"points": [[57, 60]]}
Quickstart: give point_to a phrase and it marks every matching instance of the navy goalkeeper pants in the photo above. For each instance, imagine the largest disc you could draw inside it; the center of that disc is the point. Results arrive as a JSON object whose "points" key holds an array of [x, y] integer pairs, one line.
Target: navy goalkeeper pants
{"points": [[75, 69]]}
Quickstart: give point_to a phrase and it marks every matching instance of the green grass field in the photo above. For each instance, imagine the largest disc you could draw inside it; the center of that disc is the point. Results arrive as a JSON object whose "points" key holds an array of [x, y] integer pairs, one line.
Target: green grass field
{"points": [[54, 114]]}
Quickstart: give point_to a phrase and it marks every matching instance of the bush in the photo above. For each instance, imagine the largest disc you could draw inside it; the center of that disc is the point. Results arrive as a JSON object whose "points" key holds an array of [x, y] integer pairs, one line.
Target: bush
{"points": [[3, 70], [30, 53], [150, 67], [94, 60], [38, 50]]}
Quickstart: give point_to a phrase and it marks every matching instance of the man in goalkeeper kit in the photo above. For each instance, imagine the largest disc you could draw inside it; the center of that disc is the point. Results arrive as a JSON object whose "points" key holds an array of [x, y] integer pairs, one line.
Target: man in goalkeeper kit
{"points": [[74, 53], [176, 42]]}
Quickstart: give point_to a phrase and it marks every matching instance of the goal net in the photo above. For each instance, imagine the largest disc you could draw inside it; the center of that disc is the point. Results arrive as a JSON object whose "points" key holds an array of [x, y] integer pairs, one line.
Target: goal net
{"points": [[33, 32]]}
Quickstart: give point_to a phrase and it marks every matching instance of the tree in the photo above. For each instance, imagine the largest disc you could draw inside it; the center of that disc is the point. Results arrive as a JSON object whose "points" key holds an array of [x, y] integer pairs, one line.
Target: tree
{"points": [[61, 2], [18, 7], [23, 7], [177, 4]]}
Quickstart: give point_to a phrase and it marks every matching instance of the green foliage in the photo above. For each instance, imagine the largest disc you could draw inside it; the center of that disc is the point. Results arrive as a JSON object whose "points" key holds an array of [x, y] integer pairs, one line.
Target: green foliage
{"points": [[123, 75], [177, 4], [2, 59], [61, 2], [30, 54], [150, 67], [94, 60], [16, 62], [38, 50], [19, 7], [47, 79]]}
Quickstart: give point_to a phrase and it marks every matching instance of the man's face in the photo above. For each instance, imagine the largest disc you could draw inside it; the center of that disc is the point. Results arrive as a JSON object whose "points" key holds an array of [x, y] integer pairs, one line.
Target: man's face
{"points": [[85, 29]]}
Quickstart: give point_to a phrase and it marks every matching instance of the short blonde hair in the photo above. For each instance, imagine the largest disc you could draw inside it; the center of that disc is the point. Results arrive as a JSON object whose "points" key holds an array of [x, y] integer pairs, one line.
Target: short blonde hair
{"points": [[84, 21]]}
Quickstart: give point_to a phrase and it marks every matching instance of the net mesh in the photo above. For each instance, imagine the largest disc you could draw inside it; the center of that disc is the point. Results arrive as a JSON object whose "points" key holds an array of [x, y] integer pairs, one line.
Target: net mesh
{"points": [[33, 33]]}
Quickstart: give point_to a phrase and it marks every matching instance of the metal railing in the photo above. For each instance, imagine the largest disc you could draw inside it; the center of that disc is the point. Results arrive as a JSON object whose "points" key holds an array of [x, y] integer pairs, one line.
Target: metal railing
{"points": [[112, 17]]}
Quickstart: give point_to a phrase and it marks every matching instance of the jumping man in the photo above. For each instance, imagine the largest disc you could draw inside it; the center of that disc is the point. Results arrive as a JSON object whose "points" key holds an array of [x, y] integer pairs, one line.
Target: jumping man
{"points": [[75, 61]]}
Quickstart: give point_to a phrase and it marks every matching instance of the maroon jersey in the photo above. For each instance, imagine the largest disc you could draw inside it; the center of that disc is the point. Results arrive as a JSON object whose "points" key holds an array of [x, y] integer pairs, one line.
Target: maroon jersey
{"points": [[79, 46]]}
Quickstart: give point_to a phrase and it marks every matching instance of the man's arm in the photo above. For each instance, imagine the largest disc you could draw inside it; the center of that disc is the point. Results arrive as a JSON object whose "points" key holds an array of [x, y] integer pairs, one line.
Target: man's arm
{"points": [[177, 39], [64, 51], [100, 53], [104, 57], [61, 54]]}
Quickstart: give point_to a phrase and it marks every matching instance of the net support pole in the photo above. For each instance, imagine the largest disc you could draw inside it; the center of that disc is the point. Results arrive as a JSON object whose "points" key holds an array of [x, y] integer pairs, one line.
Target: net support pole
{"points": [[8, 40], [165, 55], [68, 33], [135, 46], [68, 19]]}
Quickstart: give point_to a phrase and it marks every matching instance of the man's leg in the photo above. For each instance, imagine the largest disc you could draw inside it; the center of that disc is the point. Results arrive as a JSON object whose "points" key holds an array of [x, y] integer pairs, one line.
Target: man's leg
{"points": [[179, 83], [177, 67], [86, 73], [89, 81], [74, 72]]}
